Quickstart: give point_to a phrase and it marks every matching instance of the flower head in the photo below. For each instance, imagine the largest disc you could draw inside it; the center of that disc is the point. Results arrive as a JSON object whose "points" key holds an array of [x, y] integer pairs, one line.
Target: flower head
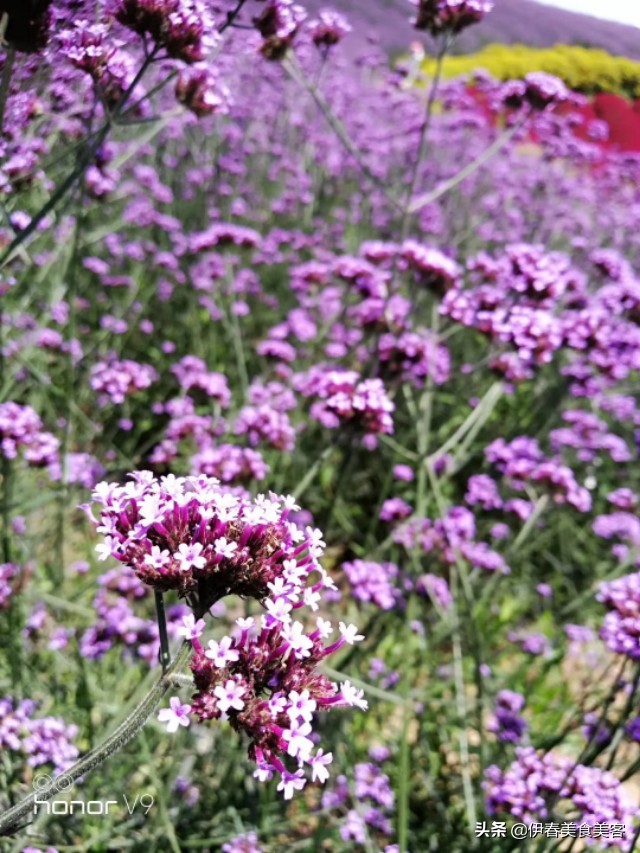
{"points": [[451, 16], [175, 715], [191, 535]]}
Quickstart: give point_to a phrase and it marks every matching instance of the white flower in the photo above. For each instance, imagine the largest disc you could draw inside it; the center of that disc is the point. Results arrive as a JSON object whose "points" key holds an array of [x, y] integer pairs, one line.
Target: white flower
{"points": [[291, 782], [311, 599], [319, 763], [279, 588], [293, 572], [190, 556], [278, 610], [263, 773], [229, 696], [172, 485], [225, 549], [175, 716], [157, 558], [103, 549], [301, 705], [352, 696], [350, 633], [325, 627], [327, 580], [221, 653], [289, 502], [299, 745], [149, 510], [316, 542], [297, 639], [191, 629], [277, 706]]}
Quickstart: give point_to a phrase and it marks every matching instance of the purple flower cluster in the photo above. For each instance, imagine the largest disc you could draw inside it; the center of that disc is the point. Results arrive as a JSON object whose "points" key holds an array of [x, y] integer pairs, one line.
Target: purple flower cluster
{"points": [[245, 843], [91, 49], [9, 579], [526, 789], [531, 642], [228, 463], [368, 806], [482, 490], [538, 89], [394, 509], [506, 722], [328, 29], [621, 626], [278, 25], [346, 399], [414, 357], [380, 673], [184, 423], [190, 535], [436, 588], [263, 680], [192, 374], [265, 423], [118, 625], [624, 498], [114, 380], [21, 430], [82, 469], [183, 29], [373, 582], [449, 539], [514, 302], [200, 89], [589, 436], [431, 268], [521, 461], [39, 740], [633, 729], [622, 525], [595, 729]]}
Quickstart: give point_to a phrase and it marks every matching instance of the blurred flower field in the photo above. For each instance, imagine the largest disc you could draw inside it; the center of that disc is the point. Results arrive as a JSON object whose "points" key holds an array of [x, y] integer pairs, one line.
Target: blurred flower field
{"points": [[319, 437]]}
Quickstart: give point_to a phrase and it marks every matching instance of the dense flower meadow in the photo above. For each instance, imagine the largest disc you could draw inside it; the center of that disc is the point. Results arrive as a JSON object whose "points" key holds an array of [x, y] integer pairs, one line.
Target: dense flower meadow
{"points": [[319, 431]]}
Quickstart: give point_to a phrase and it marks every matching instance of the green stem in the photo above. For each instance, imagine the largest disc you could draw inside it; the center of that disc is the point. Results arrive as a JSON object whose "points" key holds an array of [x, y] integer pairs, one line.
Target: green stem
{"points": [[128, 729], [85, 157], [5, 83], [473, 166], [424, 134], [294, 71]]}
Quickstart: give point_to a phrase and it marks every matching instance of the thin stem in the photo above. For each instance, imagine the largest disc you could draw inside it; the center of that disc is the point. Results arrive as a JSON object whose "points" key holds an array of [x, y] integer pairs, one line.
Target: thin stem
{"points": [[461, 707], [232, 15], [403, 793], [582, 757], [5, 83], [616, 733], [128, 729], [479, 415], [294, 71], [84, 159], [538, 509], [163, 656], [473, 166], [306, 481], [6, 463], [424, 133]]}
